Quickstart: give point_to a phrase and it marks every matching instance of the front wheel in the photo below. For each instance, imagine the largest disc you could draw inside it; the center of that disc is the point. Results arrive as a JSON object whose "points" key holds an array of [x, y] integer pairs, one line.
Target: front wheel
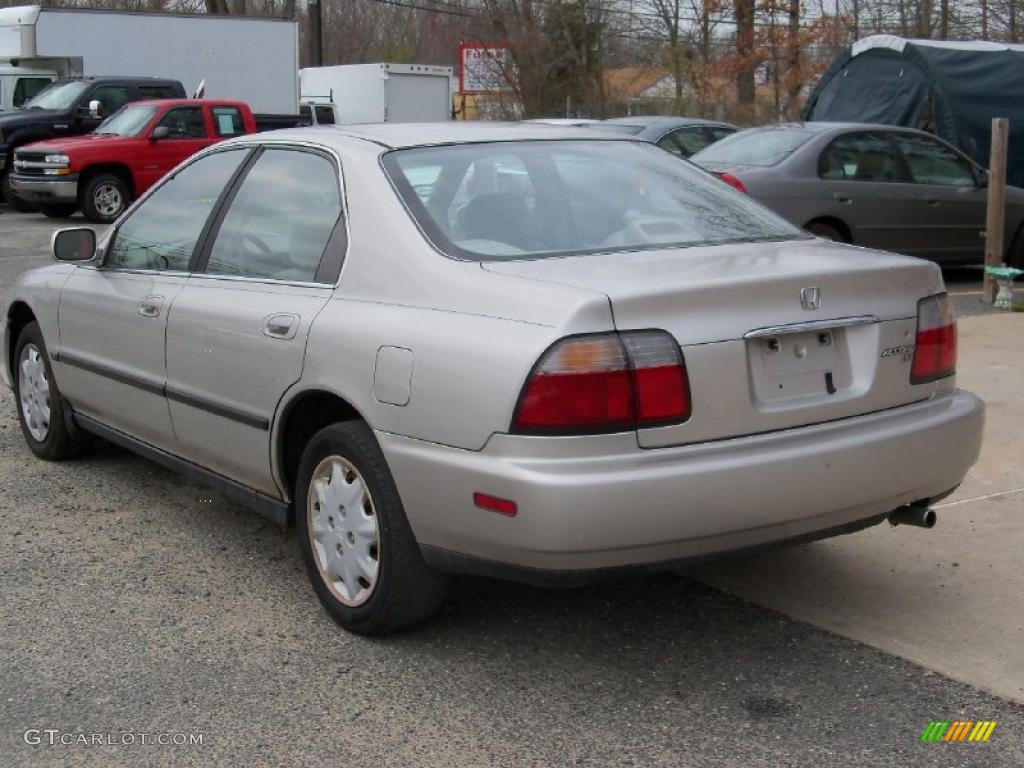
{"points": [[104, 198], [40, 407], [58, 210], [362, 558], [10, 198]]}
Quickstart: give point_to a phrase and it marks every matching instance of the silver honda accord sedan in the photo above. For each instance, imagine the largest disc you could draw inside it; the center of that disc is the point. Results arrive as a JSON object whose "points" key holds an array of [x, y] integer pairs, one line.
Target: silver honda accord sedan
{"points": [[543, 354]]}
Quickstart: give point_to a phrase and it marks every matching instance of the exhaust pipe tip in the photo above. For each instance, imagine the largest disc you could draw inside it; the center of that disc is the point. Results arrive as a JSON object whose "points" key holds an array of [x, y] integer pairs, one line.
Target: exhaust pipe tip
{"points": [[912, 514]]}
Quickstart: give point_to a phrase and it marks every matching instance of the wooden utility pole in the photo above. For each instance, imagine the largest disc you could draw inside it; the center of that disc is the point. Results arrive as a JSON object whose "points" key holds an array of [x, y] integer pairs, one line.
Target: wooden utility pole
{"points": [[995, 223], [316, 46]]}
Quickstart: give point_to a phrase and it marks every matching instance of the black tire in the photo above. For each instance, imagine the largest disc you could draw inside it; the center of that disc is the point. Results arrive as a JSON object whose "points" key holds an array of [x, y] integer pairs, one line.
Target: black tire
{"points": [[58, 443], [1015, 255], [23, 206], [406, 591], [99, 188], [58, 210], [826, 230]]}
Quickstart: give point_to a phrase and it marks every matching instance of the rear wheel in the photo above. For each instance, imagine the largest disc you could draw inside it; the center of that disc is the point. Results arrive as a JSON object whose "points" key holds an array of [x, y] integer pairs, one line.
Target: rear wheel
{"points": [[826, 230], [58, 210], [10, 198], [104, 198], [40, 407], [362, 558]]}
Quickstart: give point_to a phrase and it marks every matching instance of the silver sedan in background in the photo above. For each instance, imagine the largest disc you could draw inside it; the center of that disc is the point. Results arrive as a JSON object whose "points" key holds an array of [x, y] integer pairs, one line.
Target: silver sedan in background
{"points": [[681, 136], [545, 354], [896, 189]]}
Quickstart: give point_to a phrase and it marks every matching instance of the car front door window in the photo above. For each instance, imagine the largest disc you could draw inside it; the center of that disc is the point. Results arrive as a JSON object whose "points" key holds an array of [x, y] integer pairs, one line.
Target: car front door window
{"points": [[280, 221], [184, 123], [931, 162], [110, 97], [162, 232]]}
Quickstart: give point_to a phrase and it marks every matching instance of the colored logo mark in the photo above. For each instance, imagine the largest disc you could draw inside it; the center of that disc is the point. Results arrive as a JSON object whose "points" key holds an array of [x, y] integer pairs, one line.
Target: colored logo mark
{"points": [[958, 730]]}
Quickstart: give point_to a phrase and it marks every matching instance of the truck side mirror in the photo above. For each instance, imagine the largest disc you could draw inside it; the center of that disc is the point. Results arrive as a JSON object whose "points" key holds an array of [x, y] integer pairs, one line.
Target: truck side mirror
{"points": [[160, 132], [75, 244], [95, 109]]}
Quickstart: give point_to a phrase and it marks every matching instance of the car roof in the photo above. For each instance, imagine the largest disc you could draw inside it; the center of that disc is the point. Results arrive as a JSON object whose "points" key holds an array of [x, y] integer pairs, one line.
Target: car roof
{"points": [[827, 127], [649, 120], [185, 103], [405, 135]]}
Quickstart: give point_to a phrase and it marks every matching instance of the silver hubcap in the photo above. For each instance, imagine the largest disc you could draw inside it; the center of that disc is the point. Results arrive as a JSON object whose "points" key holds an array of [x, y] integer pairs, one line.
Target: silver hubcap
{"points": [[107, 200], [34, 391], [343, 530]]}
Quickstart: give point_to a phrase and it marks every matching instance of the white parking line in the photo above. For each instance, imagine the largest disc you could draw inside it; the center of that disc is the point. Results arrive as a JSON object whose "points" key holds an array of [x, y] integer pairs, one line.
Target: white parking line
{"points": [[978, 498]]}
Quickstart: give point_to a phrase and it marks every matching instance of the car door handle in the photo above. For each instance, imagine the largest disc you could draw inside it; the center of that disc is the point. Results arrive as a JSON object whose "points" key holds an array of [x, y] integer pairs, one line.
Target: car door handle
{"points": [[151, 306], [283, 325], [931, 201], [842, 198]]}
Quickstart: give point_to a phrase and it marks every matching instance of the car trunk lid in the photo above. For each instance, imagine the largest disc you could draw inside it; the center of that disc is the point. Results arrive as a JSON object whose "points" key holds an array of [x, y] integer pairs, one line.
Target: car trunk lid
{"points": [[775, 335]]}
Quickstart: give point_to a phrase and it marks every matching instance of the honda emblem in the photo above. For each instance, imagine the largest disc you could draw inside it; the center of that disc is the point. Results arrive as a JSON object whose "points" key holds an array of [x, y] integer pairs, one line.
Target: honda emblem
{"points": [[810, 298]]}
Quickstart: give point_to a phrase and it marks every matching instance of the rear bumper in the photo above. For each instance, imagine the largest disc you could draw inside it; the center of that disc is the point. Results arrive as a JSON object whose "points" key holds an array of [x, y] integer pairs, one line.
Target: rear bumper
{"points": [[37, 190], [595, 503]]}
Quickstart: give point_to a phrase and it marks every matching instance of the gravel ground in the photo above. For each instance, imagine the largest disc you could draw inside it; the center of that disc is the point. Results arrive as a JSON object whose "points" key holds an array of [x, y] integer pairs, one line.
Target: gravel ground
{"points": [[136, 602]]}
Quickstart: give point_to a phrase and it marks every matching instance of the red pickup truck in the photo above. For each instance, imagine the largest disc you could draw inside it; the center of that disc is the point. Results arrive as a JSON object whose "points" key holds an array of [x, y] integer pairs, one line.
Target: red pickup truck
{"points": [[102, 172]]}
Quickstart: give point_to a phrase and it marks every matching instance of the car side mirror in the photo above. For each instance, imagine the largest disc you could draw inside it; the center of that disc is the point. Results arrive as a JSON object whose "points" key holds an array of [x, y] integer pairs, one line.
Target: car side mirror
{"points": [[95, 109], [74, 244], [160, 132]]}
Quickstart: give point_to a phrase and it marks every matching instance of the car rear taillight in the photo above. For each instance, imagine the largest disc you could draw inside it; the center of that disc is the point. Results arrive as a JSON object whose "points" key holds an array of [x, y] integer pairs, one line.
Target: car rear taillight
{"points": [[605, 383], [935, 346], [732, 181]]}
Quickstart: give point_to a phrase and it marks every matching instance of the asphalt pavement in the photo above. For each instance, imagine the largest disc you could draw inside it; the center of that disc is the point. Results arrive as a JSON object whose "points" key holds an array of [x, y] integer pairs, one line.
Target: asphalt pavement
{"points": [[135, 604]]}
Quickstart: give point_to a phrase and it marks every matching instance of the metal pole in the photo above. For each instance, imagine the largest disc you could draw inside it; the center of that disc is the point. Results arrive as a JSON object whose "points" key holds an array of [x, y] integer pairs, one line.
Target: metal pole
{"points": [[995, 222]]}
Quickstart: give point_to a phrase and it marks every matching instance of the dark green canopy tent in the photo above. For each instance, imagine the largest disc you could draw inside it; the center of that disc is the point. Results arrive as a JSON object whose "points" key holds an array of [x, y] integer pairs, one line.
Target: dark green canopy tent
{"points": [[952, 89]]}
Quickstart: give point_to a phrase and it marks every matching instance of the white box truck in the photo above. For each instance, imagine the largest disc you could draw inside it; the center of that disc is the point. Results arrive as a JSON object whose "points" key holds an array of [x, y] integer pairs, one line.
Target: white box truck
{"points": [[379, 93], [249, 58]]}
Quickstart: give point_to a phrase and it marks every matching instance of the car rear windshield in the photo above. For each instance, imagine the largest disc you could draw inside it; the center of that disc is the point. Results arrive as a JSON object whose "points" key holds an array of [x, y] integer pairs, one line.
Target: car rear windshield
{"points": [[627, 128], [530, 199], [127, 121], [758, 146]]}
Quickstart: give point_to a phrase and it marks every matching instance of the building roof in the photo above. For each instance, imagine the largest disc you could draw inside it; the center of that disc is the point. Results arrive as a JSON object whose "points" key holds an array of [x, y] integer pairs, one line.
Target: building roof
{"points": [[630, 82]]}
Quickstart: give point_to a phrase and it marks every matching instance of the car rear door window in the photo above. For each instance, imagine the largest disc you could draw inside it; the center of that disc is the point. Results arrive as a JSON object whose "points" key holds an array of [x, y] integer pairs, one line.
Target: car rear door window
{"points": [[280, 220], [931, 162], [156, 92], [685, 141], [227, 121], [162, 232], [861, 157], [184, 123], [719, 132]]}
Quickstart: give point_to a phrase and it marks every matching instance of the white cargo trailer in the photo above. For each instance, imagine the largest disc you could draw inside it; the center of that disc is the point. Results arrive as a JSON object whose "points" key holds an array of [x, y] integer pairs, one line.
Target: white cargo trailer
{"points": [[378, 93], [255, 59]]}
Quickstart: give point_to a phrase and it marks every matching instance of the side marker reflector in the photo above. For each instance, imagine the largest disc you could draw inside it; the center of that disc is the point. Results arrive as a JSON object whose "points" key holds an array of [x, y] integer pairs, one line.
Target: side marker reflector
{"points": [[505, 507]]}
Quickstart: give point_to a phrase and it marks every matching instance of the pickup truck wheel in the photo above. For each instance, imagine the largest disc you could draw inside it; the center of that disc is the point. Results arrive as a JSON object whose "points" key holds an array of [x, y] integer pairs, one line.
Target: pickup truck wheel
{"points": [[40, 408], [58, 210], [11, 199], [361, 555], [104, 198]]}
